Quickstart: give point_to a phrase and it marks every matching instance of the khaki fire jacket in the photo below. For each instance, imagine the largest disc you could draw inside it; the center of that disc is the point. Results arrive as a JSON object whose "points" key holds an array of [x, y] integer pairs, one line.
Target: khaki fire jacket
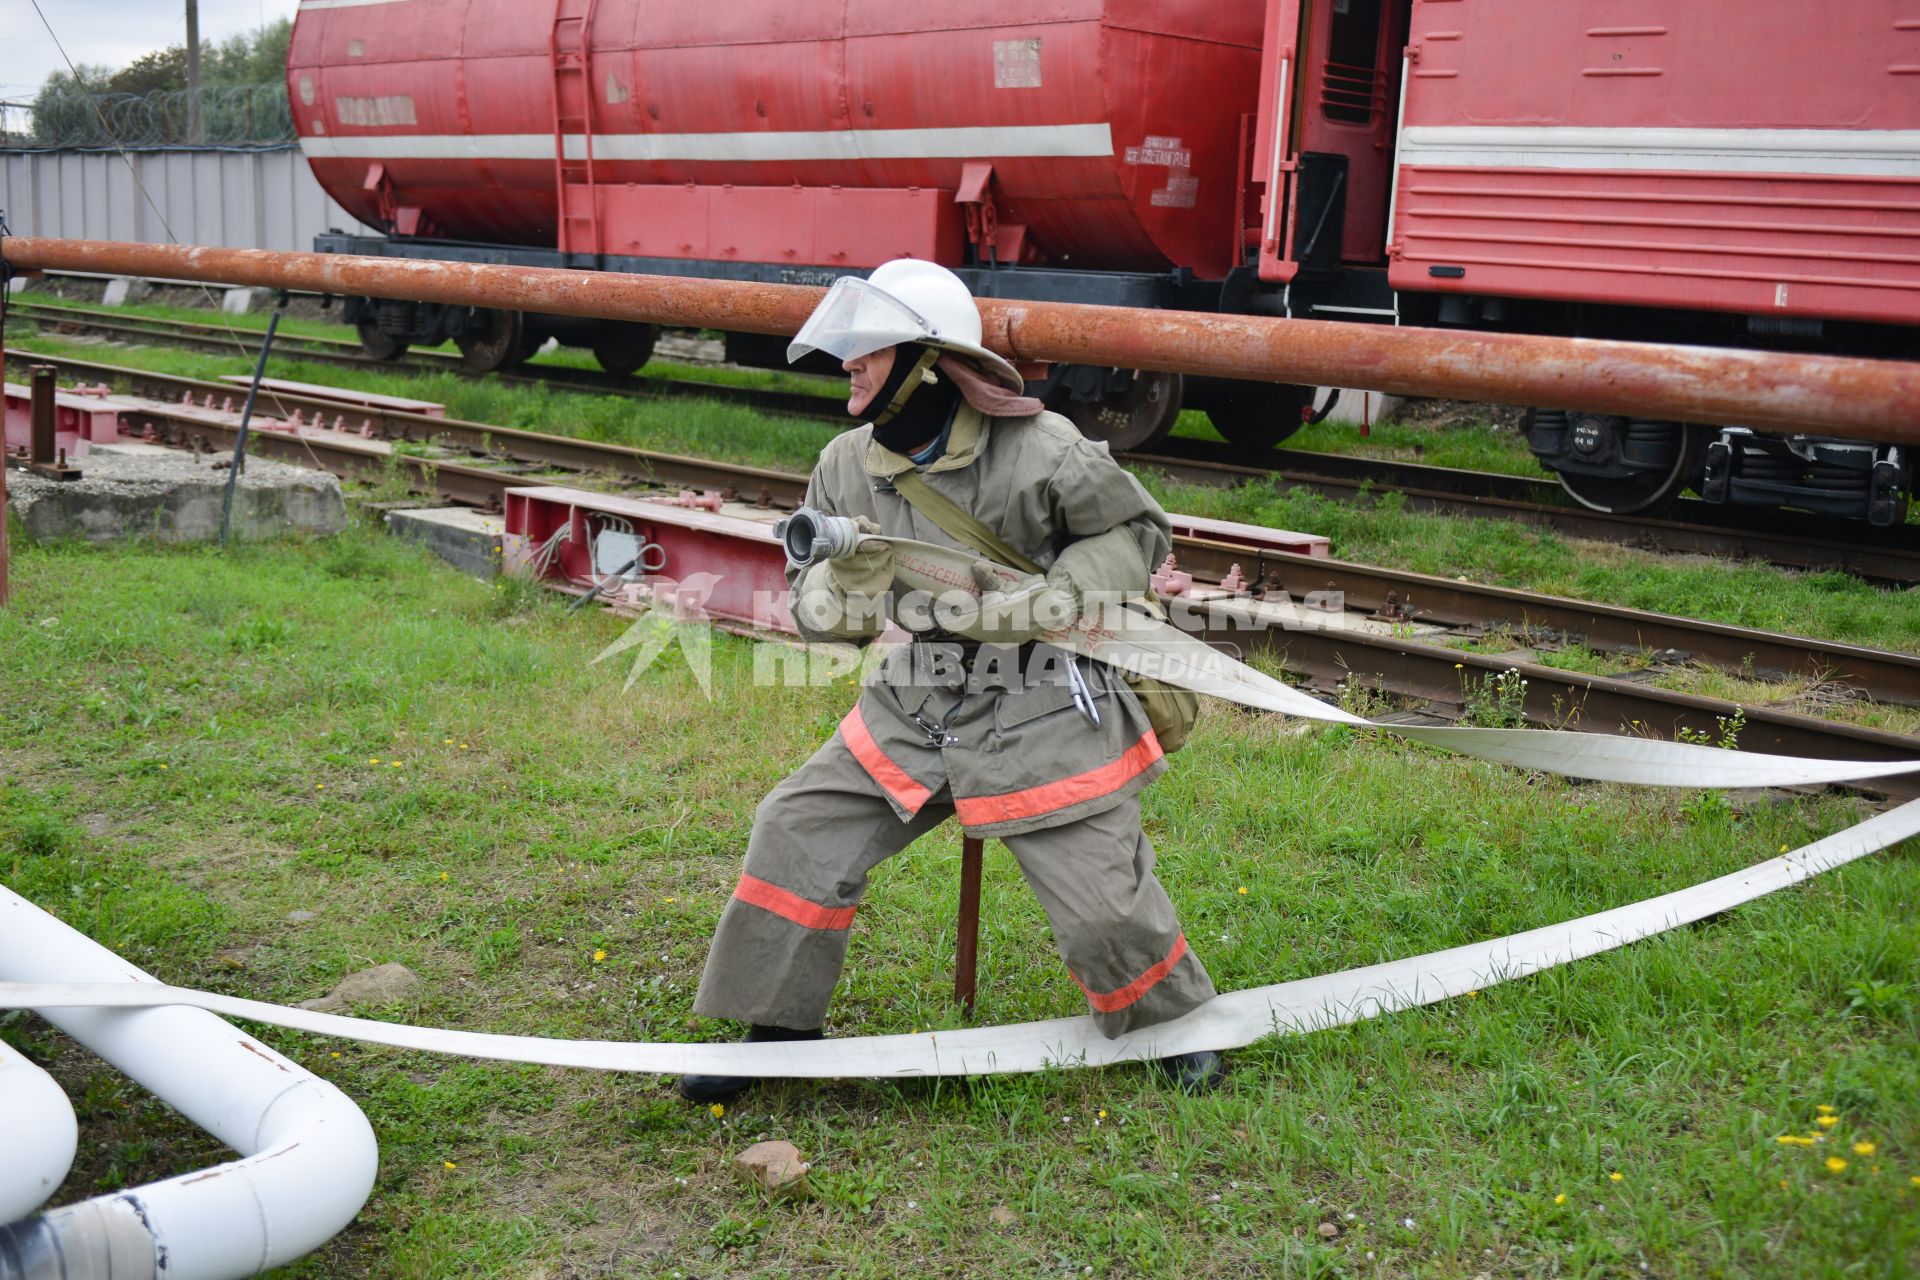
{"points": [[1017, 758]]}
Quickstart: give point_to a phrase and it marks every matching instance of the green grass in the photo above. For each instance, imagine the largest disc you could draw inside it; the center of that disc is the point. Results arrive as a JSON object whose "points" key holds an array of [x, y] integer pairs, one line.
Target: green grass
{"points": [[187, 753], [1457, 440]]}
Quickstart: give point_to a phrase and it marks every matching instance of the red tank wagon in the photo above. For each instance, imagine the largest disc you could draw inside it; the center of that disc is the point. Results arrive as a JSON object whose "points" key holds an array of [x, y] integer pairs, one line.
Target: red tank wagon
{"points": [[1709, 173]]}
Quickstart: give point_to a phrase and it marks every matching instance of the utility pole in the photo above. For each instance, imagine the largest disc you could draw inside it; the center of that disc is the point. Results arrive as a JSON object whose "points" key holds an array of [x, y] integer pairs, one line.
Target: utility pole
{"points": [[195, 134]]}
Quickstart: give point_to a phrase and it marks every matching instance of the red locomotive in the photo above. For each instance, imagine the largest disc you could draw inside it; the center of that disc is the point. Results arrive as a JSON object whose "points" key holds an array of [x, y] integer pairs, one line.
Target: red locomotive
{"points": [[1713, 173]]}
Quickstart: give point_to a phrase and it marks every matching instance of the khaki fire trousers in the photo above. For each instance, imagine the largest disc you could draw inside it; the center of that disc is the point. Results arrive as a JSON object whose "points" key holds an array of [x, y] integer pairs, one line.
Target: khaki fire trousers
{"points": [[782, 939]]}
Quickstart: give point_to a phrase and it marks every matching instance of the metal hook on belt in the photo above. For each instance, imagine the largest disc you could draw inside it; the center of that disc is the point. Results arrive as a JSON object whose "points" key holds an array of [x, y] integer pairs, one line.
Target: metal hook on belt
{"points": [[1082, 692], [937, 734]]}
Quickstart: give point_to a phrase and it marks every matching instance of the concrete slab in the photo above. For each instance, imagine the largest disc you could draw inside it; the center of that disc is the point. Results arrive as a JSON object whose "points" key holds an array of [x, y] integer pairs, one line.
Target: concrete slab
{"points": [[144, 491], [124, 289], [467, 539]]}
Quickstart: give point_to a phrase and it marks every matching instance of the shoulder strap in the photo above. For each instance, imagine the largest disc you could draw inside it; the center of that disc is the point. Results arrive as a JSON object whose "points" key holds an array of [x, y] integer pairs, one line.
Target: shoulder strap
{"points": [[957, 523]]}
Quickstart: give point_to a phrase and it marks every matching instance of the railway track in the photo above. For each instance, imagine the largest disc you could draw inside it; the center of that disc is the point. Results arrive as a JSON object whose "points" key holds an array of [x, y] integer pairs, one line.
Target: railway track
{"points": [[1399, 649], [1786, 538]]}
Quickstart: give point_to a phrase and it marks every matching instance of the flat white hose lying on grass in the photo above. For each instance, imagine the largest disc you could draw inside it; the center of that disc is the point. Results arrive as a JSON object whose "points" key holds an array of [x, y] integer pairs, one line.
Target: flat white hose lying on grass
{"points": [[1226, 1022]]}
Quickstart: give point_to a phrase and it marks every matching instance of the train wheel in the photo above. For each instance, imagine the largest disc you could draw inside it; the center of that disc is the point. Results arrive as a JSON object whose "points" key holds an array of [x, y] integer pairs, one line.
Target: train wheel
{"points": [[1258, 415], [1137, 419], [497, 346], [1664, 452], [625, 348], [380, 346]]}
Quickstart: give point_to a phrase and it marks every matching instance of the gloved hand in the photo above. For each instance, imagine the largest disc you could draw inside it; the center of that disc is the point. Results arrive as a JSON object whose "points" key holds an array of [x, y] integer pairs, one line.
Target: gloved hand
{"points": [[868, 571], [1014, 613]]}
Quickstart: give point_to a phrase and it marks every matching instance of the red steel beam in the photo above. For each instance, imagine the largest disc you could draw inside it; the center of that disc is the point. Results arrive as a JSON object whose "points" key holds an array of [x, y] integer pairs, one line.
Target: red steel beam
{"points": [[1872, 399]]}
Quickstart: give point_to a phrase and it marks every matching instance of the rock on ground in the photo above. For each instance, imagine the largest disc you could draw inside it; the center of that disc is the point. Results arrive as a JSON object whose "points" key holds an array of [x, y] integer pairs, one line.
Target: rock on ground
{"points": [[382, 984], [775, 1167]]}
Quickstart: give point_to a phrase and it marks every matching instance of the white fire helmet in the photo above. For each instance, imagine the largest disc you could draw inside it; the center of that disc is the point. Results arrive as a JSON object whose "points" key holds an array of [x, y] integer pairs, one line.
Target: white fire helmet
{"points": [[905, 300]]}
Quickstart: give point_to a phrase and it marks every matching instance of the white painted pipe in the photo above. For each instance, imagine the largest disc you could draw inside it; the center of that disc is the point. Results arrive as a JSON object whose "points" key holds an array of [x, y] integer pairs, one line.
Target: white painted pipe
{"points": [[37, 1135], [309, 1155]]}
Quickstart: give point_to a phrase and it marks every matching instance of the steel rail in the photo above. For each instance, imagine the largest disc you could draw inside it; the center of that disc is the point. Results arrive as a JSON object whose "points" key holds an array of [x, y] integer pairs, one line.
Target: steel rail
{"points": [[479, 439], [1398, 596], [1407, 668], [1785, 538], [1882, 555], [1887, 677], [1872, 399], [343, 353]]}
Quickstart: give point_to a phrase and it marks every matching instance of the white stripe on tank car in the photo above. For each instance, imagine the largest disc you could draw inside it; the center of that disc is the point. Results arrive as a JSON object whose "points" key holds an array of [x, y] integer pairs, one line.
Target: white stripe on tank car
{"points": [[961, 143]]}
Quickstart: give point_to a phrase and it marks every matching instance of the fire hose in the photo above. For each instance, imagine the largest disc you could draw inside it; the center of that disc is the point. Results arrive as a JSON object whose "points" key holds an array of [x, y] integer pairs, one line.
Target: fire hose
{"points": [[1137, 642]]}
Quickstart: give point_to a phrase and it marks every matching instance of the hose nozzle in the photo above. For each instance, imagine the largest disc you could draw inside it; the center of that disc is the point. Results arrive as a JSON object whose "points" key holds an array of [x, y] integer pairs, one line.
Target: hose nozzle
{"points": [[811, 536]]}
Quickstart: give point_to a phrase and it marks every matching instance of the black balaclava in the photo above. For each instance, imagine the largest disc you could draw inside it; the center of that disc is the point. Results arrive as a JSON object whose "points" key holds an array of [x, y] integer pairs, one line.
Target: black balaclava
{"points": [[907, 411]]}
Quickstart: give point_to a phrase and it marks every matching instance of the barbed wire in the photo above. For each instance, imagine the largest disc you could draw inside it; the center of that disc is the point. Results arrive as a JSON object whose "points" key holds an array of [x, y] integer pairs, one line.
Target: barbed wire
{"points": [[230, 115]]}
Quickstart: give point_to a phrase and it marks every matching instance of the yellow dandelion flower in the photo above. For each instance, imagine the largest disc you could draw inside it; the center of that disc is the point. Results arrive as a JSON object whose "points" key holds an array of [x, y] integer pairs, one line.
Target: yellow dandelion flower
{"points": [[1783, 1184], [394, 763], [1824, 1109], [373, 759], [1616, 1176], [718, 1110], [1561, 1198], [463, 746], [443, 875], [1835, 1164], [1788, 1140], [1243, 889], [599, 955], [1915, 1180], [1783, 848], [1103, 1113], [319, 786], [163, 766], [449, 1164], [448, 741], [669, 899], [1826, 1122], [1473, 993], [1459, 666], [336, 1053], [1865, 1148]]}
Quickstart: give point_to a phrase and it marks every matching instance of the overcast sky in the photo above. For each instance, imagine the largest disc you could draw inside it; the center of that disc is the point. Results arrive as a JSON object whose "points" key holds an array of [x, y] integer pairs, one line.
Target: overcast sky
{"points": [[111, 32]]}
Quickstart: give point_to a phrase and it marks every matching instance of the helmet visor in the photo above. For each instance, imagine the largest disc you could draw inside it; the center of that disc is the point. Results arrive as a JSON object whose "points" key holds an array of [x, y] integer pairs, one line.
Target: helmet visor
{"points": [[856, 319]]}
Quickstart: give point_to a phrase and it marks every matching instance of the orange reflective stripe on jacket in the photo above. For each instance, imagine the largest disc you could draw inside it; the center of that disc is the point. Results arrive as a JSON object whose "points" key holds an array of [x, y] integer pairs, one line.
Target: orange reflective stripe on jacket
{"points": [[1051, 797], [894, 780], [1114, 1001], [811, 915]]}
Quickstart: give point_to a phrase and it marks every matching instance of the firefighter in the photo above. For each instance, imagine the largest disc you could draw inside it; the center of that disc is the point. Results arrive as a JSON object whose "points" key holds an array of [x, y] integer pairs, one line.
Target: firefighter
{"points": [[1023, 742]]}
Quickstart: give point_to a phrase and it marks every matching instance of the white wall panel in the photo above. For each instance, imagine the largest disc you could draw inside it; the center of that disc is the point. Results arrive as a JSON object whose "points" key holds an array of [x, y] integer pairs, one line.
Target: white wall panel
{"points": [[231, 199]]}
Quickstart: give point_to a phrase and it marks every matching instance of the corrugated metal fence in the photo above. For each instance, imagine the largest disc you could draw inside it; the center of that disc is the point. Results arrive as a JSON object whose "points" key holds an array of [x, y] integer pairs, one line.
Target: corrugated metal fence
{"points": [[234, 199]]}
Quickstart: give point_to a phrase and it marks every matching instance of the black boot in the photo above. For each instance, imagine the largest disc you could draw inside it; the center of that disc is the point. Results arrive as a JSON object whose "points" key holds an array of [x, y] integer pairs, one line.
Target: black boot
{"points": [[727, 1088], [1196, 1072]]}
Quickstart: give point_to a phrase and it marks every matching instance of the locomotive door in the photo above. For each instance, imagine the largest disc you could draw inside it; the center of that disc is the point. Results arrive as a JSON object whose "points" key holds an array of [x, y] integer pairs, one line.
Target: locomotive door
{"points": [[1341, 136], [1273, 164]]}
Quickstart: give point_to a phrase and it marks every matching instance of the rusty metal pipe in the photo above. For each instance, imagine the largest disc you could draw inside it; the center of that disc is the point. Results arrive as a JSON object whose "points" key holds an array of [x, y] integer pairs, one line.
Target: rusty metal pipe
{"points": [[1872, 399], [41, 438]]}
